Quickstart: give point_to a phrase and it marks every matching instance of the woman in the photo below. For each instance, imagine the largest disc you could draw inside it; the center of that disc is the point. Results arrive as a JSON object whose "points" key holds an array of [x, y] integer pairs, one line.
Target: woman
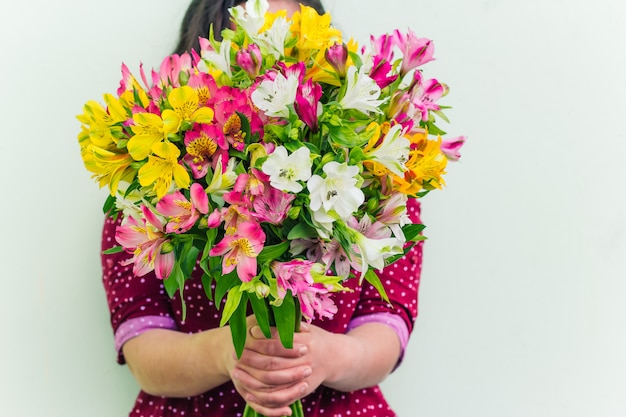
{"points": [[190, 369]]}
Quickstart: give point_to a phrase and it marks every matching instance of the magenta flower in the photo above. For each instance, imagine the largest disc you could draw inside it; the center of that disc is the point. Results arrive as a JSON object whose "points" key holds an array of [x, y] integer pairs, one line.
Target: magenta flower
{"points": [[337, 56], [272, 206], [146, 240], [416, 51], [381, 72], [451, 148], [307, 104], [424, 94], [240, 250], [297, 277], [250, 60], [228, 103], [181, 212], [201, 144], [383, 46]]}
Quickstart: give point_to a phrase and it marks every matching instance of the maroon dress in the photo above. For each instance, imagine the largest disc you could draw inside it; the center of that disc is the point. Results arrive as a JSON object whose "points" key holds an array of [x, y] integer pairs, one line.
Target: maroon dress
{"points": [[137, 300]]}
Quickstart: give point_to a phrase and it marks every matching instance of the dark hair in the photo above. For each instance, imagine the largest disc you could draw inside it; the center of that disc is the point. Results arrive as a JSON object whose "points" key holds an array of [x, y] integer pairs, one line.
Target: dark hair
{"points": [[202, 13]]}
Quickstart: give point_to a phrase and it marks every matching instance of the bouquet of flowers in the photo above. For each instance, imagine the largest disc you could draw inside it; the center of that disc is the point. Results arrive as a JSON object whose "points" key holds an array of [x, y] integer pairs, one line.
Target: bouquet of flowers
{"points": [[279, 159]]}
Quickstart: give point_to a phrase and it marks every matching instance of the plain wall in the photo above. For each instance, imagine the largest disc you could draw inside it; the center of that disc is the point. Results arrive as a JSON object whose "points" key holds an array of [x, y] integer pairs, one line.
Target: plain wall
{"points": [[522, 308]]}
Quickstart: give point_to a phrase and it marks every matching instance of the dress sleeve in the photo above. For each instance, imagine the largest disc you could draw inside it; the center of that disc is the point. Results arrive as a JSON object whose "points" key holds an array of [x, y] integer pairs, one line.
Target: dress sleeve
{"points": [[135, 303], [401, 281]]}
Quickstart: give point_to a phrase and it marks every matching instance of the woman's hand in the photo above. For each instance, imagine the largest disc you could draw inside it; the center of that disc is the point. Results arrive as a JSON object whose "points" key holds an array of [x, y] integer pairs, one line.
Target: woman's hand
{"points": [[270, 377]]}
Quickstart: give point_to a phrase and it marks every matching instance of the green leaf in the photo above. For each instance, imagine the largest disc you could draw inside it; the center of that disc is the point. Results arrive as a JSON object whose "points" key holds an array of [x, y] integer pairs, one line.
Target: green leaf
{"points": [[113, 250], [285, 316], [224, 284], [109, 203], [207, 281], [300, 231], [412, 232], [272, 252], [176, 281], [189, 256], [261, 312], [232, 302], [239, 325], [372, 278]]}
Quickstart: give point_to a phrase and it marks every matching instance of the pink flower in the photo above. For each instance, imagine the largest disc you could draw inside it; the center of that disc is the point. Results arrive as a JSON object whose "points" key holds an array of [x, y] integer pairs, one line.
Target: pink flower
{"points": [[424, 94], [250, 60], [380, 72], [451, 148], [228, 103], [383, 46], [337, 56], [416, 51], [146, 240], [182, 213], [307, 103], [272, 206], [201, 144], [240, 250], [296, 276]]}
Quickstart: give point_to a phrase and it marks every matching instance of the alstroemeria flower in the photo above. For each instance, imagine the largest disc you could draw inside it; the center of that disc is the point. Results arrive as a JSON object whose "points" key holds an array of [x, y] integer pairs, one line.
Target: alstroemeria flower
{"points": [[201, 145], [285, 171], [272, 206], [184, 101], [361, 92], [383, 46], [392, 152], [423, 95], [415, 51], [338, 191], [307, 104], [250, 60], [182, 213], [337, 56], [161, 168], [372, 252], [451, 148], [219, 60], [274, 96], [251, 17], [298, 277], [148, 130], [240, 250], [381, 72], [146, 241]]}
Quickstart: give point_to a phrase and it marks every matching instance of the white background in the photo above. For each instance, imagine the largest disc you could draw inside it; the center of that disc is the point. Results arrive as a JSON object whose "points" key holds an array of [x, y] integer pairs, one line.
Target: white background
{"points": [[522, 309]]}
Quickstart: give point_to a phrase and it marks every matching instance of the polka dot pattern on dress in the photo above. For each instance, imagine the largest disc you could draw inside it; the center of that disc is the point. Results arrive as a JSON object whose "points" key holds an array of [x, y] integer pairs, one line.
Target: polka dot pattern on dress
{"points": [[134, 302]]}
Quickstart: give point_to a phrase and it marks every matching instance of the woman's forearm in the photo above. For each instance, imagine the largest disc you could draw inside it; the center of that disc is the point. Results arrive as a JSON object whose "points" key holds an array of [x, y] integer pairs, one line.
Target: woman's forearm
{"points": [[174, 364], [362, 358]]}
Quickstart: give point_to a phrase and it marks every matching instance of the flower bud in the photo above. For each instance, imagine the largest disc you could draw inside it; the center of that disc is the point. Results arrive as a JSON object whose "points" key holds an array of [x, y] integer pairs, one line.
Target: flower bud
{"points": [[294, 212], [250, 60], [337, 57], [167, 247]]}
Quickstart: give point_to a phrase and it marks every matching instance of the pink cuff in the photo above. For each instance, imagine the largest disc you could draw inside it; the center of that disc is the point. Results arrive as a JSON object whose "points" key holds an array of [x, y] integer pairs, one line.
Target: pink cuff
{"points": [[392, 320], [136, 326]]}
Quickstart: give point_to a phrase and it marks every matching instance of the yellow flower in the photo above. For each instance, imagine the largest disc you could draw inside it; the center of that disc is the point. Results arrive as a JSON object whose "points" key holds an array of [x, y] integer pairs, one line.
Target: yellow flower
{"points": [[313, 31], [161, 167], [426, 166], [184, 101], [149, 129], [109, 168]]}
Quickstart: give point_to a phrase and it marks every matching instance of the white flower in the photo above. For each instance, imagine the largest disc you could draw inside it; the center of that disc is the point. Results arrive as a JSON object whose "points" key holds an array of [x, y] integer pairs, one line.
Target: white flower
{"points": [[219, 60], [252, 17], [393, 153], [361, 92], [336, 192], [274, 38], [374, 251], [273, 97], [286, 170]]}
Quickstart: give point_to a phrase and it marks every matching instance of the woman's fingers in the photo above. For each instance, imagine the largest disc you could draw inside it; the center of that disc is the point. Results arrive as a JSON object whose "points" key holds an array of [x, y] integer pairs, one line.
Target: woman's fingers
{"points": [[264, 397]]}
